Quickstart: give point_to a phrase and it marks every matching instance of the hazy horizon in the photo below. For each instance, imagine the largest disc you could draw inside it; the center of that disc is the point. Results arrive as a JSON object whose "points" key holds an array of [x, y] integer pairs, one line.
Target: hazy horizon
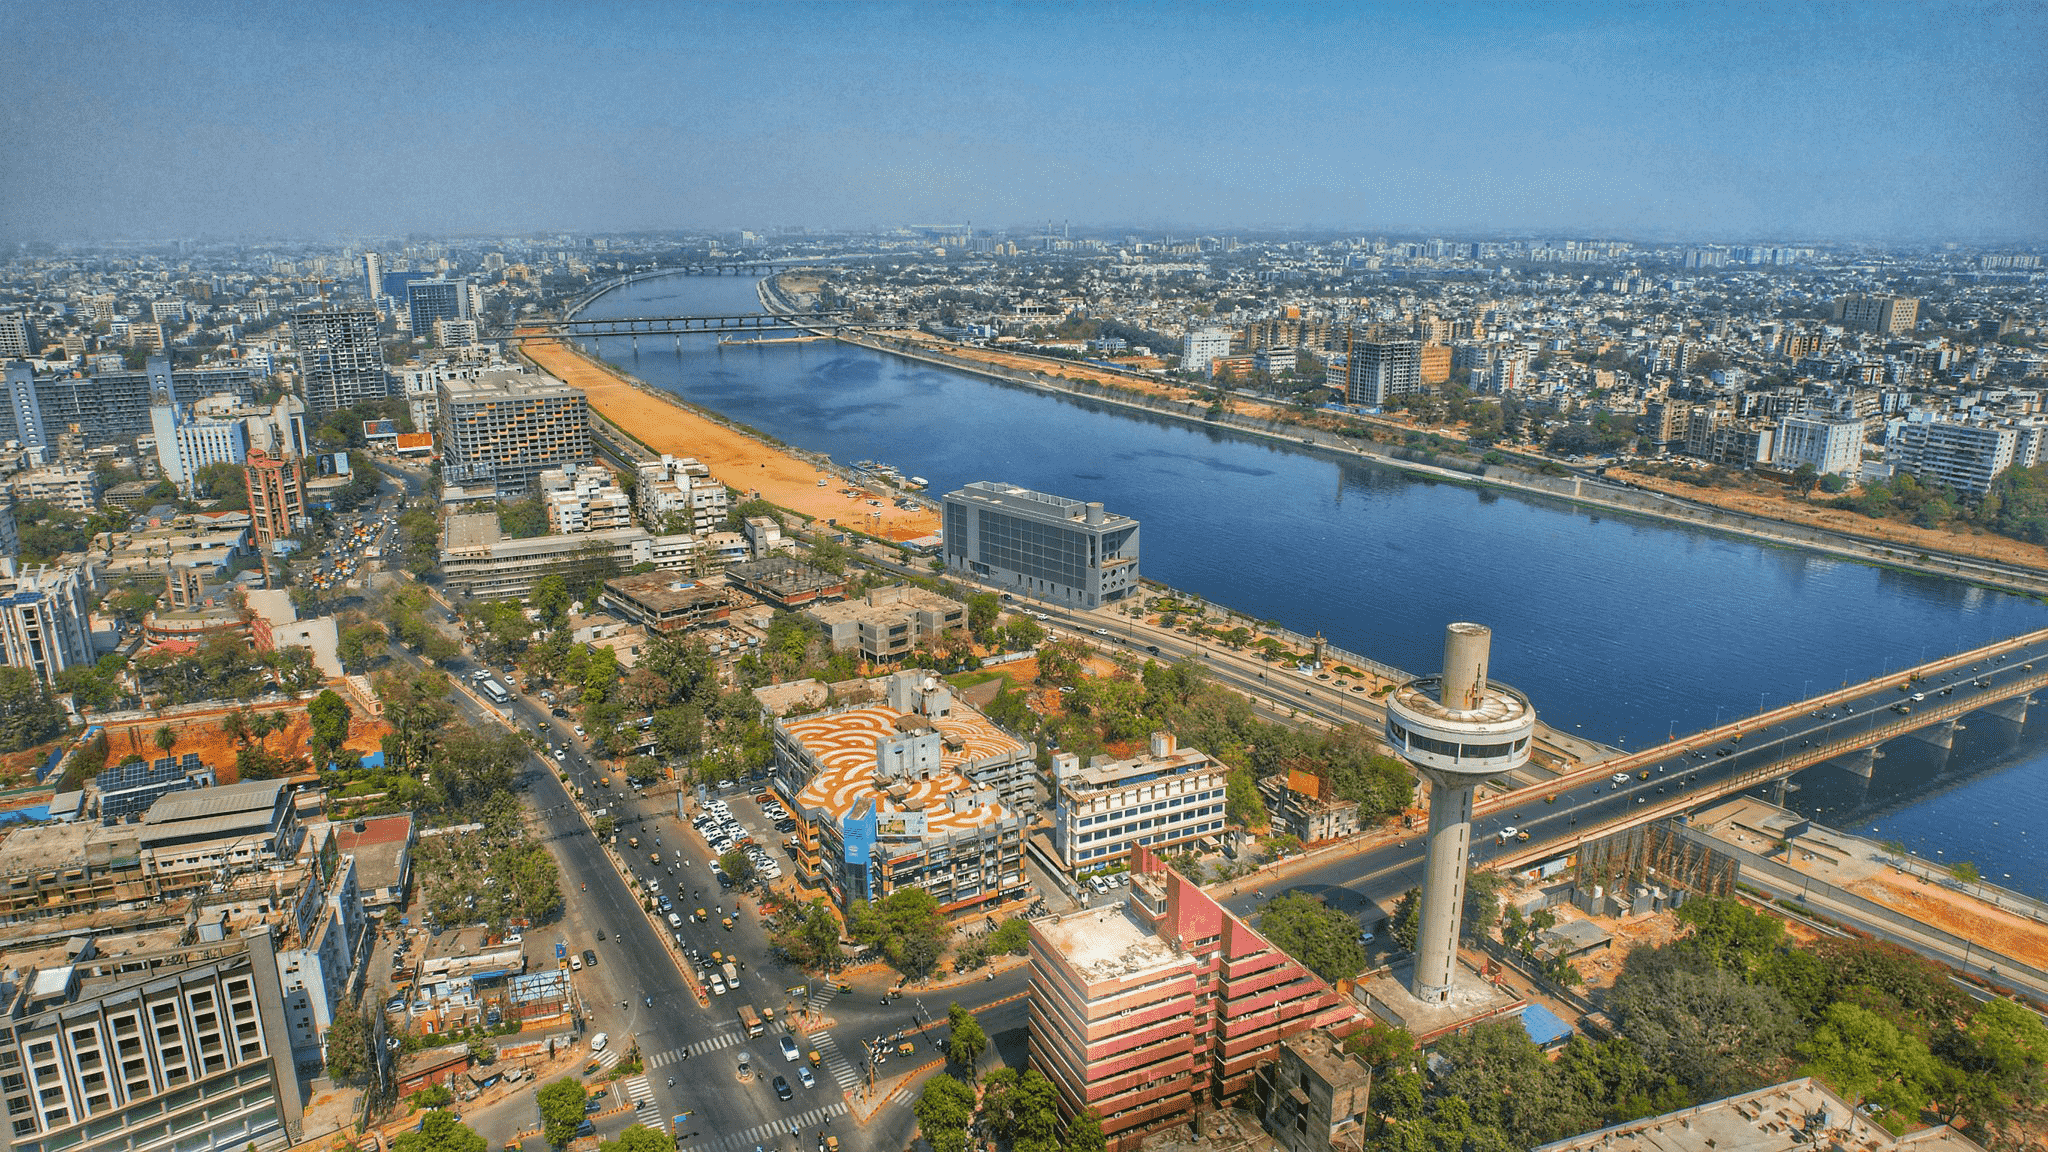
{"points": [[1738, 123]]}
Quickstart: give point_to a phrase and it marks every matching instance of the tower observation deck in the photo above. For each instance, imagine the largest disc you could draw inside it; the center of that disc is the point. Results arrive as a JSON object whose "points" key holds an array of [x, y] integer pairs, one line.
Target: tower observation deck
{"points": [[1458, 730]]}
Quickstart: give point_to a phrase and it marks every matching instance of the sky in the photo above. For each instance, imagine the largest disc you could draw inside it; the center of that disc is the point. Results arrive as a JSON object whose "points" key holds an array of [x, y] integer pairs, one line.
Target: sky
{"points": [[323, 120]]}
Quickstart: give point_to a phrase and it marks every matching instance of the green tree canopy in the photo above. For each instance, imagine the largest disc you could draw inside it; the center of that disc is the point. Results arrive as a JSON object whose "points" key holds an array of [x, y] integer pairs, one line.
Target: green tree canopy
{"points": [[1322, 938], [967, 1041], [561, 1110], [441, 1132]]}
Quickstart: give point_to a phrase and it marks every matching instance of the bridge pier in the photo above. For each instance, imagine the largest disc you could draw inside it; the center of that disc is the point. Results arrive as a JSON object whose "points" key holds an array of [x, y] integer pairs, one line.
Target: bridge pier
{"points": [[1942, 735], [1863, 763], [2014, 709]]}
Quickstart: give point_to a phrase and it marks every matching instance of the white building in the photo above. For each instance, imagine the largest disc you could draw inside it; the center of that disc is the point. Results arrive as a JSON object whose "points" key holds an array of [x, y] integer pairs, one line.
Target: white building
{"points": [[1833, 445], [76, 489], [184, 445], [583, 500], [682, 487], [1166, 796], [1965, 457], [1201, 347], [46, 617]]}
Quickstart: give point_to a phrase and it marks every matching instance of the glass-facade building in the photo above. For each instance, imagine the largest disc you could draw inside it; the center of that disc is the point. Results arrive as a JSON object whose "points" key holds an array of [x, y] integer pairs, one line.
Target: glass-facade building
{"points": [[1043, 546]]}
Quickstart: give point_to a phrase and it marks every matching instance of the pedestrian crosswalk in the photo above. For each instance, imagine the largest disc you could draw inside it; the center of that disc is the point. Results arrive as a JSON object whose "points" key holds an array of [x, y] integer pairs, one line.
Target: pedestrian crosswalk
{"points": [[809, 1123], [699, 1048], [843, 1073], [906, 1092], [822, 995], [645, 1110], [606, 1059]]}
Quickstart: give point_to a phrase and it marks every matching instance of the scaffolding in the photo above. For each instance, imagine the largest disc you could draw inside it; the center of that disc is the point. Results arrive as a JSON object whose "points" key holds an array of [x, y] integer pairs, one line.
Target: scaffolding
{"points": [[1654, 852]]}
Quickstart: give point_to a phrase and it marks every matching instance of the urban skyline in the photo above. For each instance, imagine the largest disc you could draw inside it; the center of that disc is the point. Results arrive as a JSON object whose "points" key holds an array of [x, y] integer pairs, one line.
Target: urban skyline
{"points": [[1815, 122]]}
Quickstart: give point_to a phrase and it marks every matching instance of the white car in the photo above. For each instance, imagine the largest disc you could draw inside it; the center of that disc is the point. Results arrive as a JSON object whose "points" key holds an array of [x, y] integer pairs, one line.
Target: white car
{"points": [[598, 1040], [717, 984], [675, 921], [1619, 777]]}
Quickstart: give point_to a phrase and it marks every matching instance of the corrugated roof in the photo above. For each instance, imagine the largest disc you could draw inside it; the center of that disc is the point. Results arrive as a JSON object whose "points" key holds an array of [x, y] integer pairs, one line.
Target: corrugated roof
{"points": [[221, 800]]}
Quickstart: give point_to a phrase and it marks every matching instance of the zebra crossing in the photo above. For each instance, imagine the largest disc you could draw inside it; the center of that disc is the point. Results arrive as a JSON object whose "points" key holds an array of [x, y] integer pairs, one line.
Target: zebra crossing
{"points": [[821, 996], [606, 1059], [843, 1073], [760, 1133], [713, 1044], [645, 1110]]}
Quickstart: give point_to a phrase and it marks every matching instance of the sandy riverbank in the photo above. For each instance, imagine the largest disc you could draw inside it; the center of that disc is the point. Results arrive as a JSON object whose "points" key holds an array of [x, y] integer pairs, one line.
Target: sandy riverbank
{"points": [[738, 460], [1890, 533]]}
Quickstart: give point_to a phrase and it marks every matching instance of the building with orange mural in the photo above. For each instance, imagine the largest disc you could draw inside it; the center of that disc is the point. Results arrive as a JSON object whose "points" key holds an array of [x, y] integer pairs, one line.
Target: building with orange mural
{"points": [[921, 791]]}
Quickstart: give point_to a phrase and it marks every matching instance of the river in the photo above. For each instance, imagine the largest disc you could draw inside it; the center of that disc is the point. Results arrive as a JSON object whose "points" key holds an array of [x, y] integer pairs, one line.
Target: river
{"points": [[1619, 629]]}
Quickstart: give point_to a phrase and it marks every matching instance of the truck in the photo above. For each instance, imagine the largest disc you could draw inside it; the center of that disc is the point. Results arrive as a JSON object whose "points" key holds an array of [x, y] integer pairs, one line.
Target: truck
{"points": [[750, 1020], [496, 691], [732, 973]]}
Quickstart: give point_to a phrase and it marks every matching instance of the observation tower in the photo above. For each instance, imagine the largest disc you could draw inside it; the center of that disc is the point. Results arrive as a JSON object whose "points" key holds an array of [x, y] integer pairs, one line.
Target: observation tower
{"points": [[1458, 730]]}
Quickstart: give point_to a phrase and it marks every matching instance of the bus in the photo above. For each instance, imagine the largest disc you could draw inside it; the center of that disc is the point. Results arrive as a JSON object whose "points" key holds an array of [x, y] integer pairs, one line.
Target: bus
{"points": [[495, 691], [750, 1020]]}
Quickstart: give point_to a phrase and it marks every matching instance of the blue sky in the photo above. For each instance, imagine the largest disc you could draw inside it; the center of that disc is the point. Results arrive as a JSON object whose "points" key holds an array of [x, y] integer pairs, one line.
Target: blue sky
{"points": [[1729, 121]]}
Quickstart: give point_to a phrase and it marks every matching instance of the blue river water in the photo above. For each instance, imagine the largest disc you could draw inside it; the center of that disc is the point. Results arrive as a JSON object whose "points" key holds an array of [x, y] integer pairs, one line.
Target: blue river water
{"points": [[1619, 629]]}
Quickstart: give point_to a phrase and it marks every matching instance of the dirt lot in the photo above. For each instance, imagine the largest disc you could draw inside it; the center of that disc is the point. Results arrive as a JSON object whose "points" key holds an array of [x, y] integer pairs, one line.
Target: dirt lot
{"points": [[1790, 509], [202, 734], [1601, 968], [736, 459], [1972, 919]]}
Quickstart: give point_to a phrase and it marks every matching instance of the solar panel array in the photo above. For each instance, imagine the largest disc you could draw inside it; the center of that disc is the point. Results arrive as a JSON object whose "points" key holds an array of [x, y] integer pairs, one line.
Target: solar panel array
{"points": [[129, 789]]}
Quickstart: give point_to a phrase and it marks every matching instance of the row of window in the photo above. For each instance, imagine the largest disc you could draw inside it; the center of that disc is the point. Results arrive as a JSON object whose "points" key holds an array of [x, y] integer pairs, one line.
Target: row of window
{"points": [[1177, 801], [1455, 750], [1122, 830], [1183, 833]]}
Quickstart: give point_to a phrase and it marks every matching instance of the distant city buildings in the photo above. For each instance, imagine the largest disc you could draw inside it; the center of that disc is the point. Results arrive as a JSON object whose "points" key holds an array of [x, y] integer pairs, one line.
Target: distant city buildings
{"points": [[1043, 546], [430, 301], [1890, 315]]}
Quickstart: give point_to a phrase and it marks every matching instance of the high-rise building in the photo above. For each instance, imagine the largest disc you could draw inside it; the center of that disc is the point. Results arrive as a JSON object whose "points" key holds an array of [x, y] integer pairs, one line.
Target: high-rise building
{"points": [[1043, 546], [1886, 315], [17, 336], [1833, 445], [150, 1047], [1435, 365], [1201, 347], [373, 276], [24, 407], [429, 301], [681, 488], [1965, 457], [277, 496], [46, 617], [1147, 1010], [1381, 371], [341, 364], [506, 427]]}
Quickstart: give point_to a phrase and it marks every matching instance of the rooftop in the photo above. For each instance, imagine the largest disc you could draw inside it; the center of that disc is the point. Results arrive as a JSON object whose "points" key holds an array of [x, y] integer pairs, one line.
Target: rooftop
{"points": [[1796, 1115], [220, 800], [784, 574], [1108, 943], [843, 744], [665, 592]]}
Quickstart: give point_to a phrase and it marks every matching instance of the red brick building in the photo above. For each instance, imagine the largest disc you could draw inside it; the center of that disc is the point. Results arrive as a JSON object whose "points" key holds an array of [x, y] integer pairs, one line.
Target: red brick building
{"points": [[277, 496], [1150, 1011]]}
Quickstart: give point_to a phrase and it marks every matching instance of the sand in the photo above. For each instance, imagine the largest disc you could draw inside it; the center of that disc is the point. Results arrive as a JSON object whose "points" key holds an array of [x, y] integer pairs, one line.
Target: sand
{"points": [[1790, 509], [1995, 928], [739, 461]]}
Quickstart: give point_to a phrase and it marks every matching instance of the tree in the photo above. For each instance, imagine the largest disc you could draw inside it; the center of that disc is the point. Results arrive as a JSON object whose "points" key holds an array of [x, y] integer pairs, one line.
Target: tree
{"points": [[906, 927], [1730, 935], [561, 1110], [1865, 1058], [638, 1138], [348, 1045], [1404, 923], [2000, 1062], [1701, 1025], [442, 1132], [165, 739], [943, 1109], [967, 1041], [1241, 803], [982, 610], [1322, 938], [737, 865], [1965, 871], [29, 715], [1804, 478], [1084, 1133], [328, 714]]}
